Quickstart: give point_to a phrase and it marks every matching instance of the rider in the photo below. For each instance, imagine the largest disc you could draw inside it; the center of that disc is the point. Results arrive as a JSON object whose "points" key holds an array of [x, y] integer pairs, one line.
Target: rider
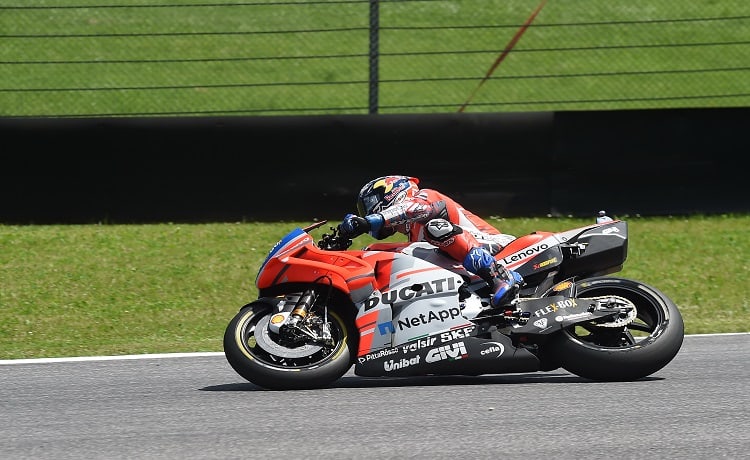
{"points": [[391, 204]]}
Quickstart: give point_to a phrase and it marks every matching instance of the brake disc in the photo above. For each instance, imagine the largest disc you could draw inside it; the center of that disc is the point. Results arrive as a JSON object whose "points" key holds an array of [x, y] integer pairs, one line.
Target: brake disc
{"points": [[627, 311], [264, 339]]}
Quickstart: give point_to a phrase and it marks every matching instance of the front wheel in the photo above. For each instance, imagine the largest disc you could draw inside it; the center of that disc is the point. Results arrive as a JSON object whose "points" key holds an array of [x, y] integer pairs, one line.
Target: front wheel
{"points": [[275, 362], [616, 352]]}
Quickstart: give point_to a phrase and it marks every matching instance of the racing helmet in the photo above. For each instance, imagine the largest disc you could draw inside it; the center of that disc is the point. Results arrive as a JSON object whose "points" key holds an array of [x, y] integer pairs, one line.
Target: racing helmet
{"points": [[384, 192]]}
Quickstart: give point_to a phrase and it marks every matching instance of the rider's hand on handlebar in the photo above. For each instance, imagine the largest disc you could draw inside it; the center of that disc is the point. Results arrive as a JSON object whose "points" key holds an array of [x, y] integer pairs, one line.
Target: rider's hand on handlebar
{"points": [[353, 226]]}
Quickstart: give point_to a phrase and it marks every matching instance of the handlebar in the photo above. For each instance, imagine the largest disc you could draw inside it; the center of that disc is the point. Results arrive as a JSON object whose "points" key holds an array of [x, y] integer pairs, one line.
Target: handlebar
{"points": [[334, 241]]}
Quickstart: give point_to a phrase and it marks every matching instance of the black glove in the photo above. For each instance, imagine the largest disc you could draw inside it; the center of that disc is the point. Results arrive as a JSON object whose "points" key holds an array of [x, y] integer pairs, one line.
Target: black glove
{"points": [[353, 226]]}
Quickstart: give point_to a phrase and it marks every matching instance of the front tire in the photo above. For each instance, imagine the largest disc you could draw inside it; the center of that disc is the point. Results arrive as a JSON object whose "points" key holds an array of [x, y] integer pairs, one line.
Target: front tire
{"points": [[622, 353], [278, 365]]}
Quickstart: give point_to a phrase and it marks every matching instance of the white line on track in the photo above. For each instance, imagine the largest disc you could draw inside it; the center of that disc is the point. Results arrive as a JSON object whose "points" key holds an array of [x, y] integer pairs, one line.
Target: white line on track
{"points": [[106, 358]]}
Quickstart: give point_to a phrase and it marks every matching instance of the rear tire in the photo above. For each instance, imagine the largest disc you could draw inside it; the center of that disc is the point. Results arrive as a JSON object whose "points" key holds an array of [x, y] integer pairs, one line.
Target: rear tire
{"points": [[624, 353]]}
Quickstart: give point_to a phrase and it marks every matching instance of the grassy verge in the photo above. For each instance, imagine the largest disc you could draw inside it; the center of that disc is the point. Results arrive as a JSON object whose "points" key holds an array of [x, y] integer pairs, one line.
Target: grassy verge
{"points": [[127, 289], [159, 57]]}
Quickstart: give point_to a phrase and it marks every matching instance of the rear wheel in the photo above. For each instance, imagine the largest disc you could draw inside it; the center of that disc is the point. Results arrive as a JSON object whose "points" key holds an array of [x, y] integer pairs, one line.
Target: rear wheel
{"points": [[281, 361], [634, 349]]}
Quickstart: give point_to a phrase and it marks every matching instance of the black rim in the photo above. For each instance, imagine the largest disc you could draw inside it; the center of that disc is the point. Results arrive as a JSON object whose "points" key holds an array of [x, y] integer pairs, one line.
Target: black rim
{"points": [[648, 321]]}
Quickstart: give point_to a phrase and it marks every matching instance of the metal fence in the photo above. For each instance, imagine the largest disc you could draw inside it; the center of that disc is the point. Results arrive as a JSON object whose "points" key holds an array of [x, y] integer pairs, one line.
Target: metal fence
{"points": [[95, 58]]}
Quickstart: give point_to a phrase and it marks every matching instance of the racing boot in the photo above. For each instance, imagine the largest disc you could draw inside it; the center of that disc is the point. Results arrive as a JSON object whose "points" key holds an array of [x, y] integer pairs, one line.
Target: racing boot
{"points": [[504, 284]]}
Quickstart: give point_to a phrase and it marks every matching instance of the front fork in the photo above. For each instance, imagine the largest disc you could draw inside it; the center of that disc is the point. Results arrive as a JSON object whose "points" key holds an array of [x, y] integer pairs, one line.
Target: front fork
{"points": [[295, 322]]}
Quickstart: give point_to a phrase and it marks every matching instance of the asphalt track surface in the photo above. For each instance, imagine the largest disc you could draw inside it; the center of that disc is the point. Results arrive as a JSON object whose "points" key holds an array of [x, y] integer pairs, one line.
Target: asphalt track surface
{"points": [[194, 406]]}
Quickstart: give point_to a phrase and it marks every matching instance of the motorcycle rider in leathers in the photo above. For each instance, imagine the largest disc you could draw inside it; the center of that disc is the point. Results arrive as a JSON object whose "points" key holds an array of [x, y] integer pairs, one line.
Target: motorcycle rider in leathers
{"points": [[391, 204]]}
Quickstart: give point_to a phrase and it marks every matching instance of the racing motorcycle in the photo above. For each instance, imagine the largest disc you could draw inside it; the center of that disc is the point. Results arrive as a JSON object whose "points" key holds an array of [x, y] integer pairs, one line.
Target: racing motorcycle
{"points": [[396, 309]]}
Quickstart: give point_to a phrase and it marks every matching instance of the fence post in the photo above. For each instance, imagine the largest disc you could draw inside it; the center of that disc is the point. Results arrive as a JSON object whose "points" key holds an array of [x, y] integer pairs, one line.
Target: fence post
{"points": [[374, 55]]}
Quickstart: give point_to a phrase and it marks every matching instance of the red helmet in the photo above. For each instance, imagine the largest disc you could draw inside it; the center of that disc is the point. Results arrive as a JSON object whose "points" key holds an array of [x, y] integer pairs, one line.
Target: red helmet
{"points": [[384, 192]]}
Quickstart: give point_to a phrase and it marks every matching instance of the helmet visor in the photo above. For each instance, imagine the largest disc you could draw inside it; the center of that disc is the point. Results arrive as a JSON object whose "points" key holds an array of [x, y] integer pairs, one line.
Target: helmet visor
{"points": [[368, 204]]}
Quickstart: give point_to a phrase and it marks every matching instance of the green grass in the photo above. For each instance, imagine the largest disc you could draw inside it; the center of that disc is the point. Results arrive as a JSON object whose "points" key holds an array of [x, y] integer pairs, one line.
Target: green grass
{"points": [[130, 289], [271, 57]]}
